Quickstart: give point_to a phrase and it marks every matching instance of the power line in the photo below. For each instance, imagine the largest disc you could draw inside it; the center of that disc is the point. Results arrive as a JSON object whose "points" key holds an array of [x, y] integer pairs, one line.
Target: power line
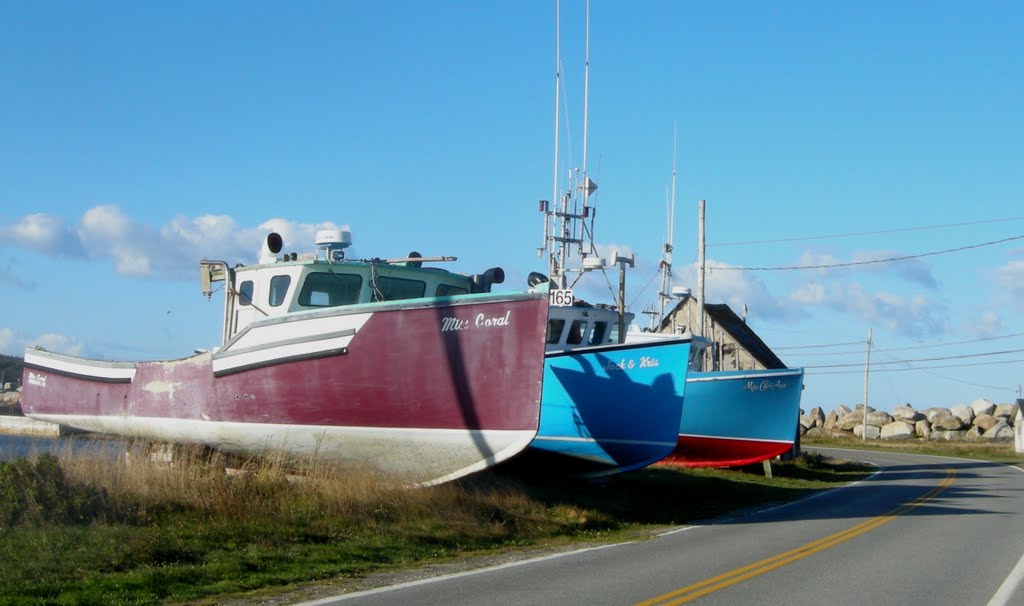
{"points": [[889, 260], [841, 353], [911, 369], [939, 359], [868, 233], [819, 346]]}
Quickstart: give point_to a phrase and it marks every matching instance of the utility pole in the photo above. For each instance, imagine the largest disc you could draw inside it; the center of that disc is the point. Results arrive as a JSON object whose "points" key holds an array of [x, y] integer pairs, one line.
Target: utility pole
{"points": [[867, 369]]}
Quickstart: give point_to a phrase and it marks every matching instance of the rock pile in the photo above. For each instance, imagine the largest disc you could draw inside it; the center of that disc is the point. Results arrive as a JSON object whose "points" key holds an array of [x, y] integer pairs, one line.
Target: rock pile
{"points": [[10, 398], [979, 420]]}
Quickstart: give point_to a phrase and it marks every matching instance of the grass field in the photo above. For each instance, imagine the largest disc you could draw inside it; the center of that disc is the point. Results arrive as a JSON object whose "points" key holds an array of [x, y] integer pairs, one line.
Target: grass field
{"points": [[89, 530]]}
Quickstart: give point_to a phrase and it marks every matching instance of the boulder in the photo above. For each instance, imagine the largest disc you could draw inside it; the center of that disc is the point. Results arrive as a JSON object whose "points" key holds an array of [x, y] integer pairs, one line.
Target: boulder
{"points": [[873, 433], [981, 406], [923, 429], [843, 410], [897, 430], [815, 432], [1007, 411], [949, 436], [947, 422], [974, 433], [963, 412], [879, 418], [931, 413], [985, 421], [1001, 430], [818, 415], [806, 423], [830, 421], [1018, 434], [850, 420], [906, 413]]}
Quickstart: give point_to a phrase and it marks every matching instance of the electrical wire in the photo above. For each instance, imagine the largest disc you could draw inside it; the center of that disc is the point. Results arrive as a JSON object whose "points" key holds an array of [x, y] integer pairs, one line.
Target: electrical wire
{"points": [[873, 261], [939, 359], [868, 233]]}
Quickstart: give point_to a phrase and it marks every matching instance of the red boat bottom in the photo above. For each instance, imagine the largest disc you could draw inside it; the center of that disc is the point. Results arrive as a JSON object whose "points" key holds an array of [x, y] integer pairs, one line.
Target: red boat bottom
{"points": [[696, 451]]}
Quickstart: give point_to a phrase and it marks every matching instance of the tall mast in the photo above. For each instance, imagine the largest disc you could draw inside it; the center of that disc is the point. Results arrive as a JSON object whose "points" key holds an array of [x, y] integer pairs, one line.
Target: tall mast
{"points": [[700, 275], [666, 262], [558, 89]]}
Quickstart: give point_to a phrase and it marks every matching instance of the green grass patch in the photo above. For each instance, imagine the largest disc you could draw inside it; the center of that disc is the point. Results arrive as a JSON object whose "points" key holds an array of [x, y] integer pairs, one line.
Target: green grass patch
{"points": [[80, 532], [999, 451]]}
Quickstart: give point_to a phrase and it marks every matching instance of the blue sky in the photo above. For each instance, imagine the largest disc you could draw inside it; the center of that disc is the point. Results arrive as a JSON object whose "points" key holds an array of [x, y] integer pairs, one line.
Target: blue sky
{"points": [[138, 138]]}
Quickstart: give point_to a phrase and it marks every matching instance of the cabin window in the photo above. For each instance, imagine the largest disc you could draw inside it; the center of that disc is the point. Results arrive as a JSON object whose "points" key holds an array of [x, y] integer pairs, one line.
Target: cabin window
{"points": [[396, 289], [577, 329], [555, 330], [278, 289], [245, 293], [323, 289], [600, 332], [447, 290]]}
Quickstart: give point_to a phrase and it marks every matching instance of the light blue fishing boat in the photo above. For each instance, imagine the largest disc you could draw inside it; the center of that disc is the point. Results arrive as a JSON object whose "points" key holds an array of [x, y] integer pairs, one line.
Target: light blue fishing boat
{"points": [[606, 407]]}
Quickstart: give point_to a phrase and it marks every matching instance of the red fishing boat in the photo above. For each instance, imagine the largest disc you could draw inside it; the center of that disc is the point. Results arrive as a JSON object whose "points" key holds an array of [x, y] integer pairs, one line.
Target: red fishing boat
{"points": [[418, 372]]}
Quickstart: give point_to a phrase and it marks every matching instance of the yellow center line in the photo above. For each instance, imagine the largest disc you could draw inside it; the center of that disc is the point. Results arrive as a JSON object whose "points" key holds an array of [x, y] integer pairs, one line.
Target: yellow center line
{"points": [[692, 592]]}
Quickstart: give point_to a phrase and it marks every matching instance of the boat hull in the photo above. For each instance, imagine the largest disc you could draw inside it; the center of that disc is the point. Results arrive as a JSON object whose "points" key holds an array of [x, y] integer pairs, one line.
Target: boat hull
{"points": [[735, 418], [610, 409], [426, 390]]}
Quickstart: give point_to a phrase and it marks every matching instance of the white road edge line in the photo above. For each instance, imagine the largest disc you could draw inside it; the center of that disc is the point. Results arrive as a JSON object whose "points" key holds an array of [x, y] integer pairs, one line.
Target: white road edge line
{"points": [[1013, 580], [355, 594]]}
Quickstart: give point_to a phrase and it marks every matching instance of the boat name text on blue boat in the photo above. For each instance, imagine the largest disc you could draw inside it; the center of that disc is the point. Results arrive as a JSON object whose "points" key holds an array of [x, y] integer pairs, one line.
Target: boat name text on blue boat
{"points": [[776, 385], [645, 362]]}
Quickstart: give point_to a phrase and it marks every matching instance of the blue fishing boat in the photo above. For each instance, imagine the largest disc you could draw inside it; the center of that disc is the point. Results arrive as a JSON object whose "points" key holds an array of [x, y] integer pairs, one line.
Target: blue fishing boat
{"points": [[606, 406]]}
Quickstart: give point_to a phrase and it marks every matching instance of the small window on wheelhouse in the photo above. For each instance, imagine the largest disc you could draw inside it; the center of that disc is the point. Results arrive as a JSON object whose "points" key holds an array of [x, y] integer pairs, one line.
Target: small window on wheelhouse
{"points": [[326, 289], [555, 331], [396, 289], [245, 293], [576, 332], [447, 290], [600, 332], [279, 289]]}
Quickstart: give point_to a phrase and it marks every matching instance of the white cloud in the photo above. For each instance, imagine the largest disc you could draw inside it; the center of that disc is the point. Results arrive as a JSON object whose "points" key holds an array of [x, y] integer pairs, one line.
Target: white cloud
{"points": [[913, 316], [1010, 278], [42, 233], [106, 232], [911, 270], [6, 340], [987, 324], [14, 343]]}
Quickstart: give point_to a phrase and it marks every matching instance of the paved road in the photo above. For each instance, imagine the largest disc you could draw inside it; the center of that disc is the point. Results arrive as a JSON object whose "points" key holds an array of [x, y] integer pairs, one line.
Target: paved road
{"points": [[924, 530]]}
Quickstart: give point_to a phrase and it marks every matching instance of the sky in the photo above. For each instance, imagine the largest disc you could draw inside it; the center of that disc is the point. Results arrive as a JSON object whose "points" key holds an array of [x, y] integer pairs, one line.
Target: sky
{"points": [[138, 138]]}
